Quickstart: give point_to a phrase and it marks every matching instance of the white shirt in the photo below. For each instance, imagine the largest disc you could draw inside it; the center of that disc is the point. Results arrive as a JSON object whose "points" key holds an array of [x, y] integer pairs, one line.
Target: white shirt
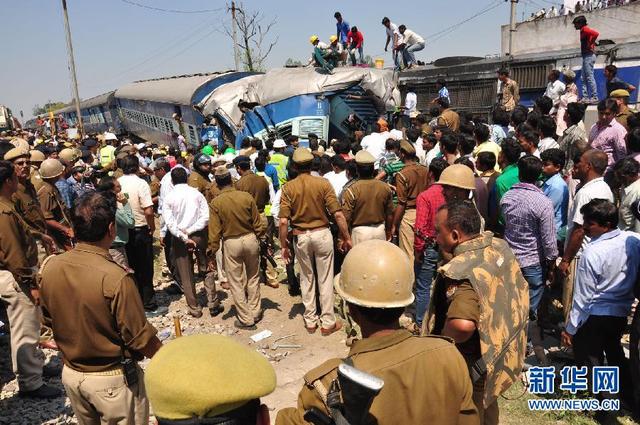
{"points": [[554, 90], [432, 154], [374, 143], [139, 196], [595, 189], [185, 211], [410, 103], [547, 143], [411, 38], [337, 180], [420, 152], [393, 29]]}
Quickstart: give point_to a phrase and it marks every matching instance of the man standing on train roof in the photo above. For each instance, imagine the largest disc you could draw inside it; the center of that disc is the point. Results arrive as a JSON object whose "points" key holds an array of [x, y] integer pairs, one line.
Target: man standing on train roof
{"points": [[588, 37], [342, 29]]}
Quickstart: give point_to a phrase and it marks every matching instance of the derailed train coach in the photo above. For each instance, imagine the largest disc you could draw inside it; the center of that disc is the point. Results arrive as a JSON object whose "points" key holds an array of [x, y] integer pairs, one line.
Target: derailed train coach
{"points": [[153, 109], [472, 81], [300, 101], [99, 114]]}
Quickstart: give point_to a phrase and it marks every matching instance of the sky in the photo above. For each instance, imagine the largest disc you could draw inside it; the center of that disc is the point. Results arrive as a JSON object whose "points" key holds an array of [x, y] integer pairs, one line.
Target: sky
{"points": [[116, 42]]}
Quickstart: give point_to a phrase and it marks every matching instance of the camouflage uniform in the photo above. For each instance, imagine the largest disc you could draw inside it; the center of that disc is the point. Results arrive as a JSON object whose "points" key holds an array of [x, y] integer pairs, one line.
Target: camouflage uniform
{"points": [[484, 282]]}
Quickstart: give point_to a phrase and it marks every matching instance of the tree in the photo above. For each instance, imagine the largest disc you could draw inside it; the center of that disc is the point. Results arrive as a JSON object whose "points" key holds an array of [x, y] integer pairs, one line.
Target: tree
{"points": [[293, 63], [49, 106], [253, 33]]}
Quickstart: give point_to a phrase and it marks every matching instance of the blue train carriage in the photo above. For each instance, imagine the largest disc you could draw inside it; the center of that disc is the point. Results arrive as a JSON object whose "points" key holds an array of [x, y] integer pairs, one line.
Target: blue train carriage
{"points": [[153, 109], [300, 101], [473, 83], [99, 114]]}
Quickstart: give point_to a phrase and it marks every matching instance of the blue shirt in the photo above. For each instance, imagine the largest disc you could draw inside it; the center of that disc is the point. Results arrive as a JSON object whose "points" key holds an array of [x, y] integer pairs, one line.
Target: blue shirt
{"points": [[444, 94], [272, 173], [556, 189], [605, 278], [66, 191], [342, 29]]}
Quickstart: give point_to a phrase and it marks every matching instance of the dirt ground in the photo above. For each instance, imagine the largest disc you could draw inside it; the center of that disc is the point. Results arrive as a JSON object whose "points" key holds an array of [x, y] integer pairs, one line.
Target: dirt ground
{"points": [[283, 317]]}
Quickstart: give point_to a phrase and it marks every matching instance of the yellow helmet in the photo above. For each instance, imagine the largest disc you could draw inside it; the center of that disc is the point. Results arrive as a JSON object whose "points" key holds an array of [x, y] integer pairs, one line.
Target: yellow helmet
{"points": [[376, 274], [313, 39], [333, 38]]}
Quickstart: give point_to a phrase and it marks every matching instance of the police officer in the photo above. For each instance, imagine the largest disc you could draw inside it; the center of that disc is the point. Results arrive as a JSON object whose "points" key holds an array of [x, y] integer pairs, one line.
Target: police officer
{"points": [[36, 159], [202, 391], [25, 199], [368, 203], [425, 378], [199, 178], [102, 341], [410, 181], [258, 187], [53, 208], [305, 202], [234, 220], [19, 291], [482, 269]]}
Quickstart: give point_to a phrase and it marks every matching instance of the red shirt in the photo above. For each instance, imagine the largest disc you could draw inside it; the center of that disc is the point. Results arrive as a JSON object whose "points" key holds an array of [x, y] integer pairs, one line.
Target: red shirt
{"points": [[356, 37], [427, 205], [588, 37]]}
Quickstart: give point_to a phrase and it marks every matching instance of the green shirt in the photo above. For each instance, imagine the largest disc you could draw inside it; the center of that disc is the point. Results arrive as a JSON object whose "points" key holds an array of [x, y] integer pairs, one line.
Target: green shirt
{"points": [[504, 182], [124, 222]]}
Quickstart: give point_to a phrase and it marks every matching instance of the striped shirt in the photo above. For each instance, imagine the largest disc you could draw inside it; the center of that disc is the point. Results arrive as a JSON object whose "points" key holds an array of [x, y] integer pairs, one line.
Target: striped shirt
{"points": [[530, 228]]}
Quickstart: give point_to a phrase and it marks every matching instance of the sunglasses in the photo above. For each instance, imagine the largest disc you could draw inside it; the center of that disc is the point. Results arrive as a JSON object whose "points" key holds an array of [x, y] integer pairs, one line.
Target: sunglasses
{"points": [[22, 163]]}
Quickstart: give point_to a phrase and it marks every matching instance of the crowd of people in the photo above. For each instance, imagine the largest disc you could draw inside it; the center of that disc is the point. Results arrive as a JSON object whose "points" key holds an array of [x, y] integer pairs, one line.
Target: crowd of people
{"points": [[441, 243], [349, 40], [582, 6]]}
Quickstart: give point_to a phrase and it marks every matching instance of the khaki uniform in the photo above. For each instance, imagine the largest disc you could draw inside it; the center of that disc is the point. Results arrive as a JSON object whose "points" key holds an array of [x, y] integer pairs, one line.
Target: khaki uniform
{"points": [[53, 208], [510, 95], [234, 220], [425, 382], [410, 182], [154, 185], [18, 262], [366, 205], [35, 179], [201, 183], [449, 118], [305, 201], [483, 284], [258, 187], [91, 338], [623, 116], [27, 206]]}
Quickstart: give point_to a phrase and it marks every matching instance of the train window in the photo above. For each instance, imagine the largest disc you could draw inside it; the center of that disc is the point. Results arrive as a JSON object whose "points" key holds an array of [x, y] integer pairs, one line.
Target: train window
{"points": [[192, 135]]}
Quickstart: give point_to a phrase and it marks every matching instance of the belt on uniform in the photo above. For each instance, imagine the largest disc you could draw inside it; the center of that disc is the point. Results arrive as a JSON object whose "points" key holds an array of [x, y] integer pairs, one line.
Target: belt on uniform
{"points": [[141, 227], [112, 371], [297, 232]]}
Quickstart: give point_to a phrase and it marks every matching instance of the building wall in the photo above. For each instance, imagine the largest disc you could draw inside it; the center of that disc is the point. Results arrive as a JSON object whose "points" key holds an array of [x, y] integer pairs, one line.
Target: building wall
{"points": [[619, 24]]}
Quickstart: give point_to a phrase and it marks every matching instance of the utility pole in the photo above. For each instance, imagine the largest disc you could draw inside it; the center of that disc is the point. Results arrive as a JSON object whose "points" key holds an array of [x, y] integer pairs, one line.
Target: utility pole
{"points": [[234, 36], [512, 25], [72, 69]]}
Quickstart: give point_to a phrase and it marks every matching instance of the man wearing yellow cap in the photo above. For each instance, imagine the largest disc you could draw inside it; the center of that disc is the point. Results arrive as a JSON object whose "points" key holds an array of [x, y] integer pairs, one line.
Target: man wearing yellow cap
{"points": [[621, 97], [204, 390], [305, 202], [426, 380]]}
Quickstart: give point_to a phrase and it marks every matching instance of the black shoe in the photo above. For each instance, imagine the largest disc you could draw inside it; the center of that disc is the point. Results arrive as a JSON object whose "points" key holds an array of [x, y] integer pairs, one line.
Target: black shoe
{"points": [[259, 317], [51, 371], [238, 324], [174, 288], [215, 311], [44, 391], [158, 311]]}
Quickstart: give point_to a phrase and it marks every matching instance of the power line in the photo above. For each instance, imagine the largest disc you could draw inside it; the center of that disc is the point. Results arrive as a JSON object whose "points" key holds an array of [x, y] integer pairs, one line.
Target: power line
{"points": [[446, 31], [158, 9]]}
